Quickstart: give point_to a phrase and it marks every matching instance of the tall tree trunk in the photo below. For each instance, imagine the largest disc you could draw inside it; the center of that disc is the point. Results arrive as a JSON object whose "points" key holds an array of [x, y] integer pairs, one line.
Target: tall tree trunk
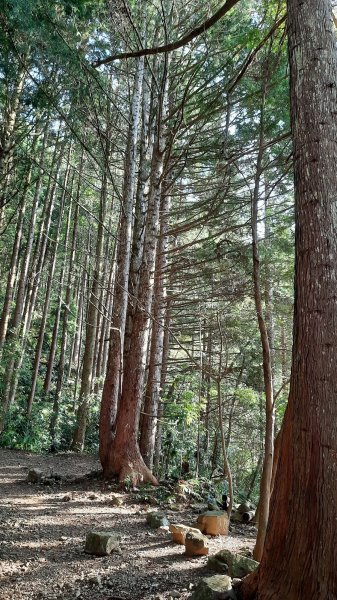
{"points": [[7, 129], [266, 354], [38, 349], [53, 345], [65, 319], [163, 373], [124, 458], [91, 325], [114, 374], [26, 261], [13, 369], [300, 552], [146, 143], [152, 394], [13, 267]]}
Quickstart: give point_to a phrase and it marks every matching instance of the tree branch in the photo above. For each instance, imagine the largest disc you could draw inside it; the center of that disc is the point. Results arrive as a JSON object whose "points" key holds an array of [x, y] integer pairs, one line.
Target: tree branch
{"points": [[253, 54], [225, 8]]}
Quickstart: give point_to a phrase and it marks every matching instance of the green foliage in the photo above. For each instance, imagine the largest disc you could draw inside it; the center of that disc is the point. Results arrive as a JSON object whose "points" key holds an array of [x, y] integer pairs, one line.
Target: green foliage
{"points": [[27, 434]]}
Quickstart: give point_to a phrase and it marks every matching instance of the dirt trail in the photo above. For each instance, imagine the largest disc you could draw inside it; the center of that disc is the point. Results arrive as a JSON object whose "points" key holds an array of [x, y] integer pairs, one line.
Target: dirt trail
{"points": [[42, 538]]}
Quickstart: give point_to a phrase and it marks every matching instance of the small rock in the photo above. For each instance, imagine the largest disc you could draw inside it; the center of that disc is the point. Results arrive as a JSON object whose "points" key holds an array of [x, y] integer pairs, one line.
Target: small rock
{"points": [[217, 565], [153, 501], [157, 519], [244, 507], [175, 508], [236, 565], [114, 500], [101, 543], [179, 532], [175, 594], [196, 544], [218, 587], [67, 498], [34, 476]]}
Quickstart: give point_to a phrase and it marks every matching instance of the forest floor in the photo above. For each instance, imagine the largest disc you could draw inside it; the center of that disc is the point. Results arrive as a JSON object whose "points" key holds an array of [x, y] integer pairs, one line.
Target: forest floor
{"points": [[43, 529]]}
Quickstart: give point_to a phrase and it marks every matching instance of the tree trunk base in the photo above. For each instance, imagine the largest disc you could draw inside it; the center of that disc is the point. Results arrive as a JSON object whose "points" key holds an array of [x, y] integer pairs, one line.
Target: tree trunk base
{"points": [[128, 465], [248, 588]]}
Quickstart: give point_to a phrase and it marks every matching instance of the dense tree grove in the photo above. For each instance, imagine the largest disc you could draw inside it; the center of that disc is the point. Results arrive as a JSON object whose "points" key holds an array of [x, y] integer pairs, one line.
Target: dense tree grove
{"points": [[147, 230], [147, 233]]}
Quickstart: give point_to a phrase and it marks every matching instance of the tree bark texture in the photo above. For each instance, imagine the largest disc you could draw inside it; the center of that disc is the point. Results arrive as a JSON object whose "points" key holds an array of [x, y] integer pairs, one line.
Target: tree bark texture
{"points": [[300, 553], [125, 459], [159, 307], [114, 374]]}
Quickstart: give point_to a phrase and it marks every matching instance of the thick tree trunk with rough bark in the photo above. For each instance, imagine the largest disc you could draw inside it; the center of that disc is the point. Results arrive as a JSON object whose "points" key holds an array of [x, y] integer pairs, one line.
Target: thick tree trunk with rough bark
{"points": [[114, 374], [300, 553], [124, 458], [146, 142], [152, 394]]}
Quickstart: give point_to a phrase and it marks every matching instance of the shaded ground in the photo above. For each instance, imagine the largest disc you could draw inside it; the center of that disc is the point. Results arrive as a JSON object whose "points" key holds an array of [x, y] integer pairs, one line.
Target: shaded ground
{"points": [[42, 537]]}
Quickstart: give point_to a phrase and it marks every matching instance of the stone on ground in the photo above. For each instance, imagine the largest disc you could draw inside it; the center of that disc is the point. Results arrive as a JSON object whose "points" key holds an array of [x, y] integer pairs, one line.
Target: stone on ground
{"points": [[114, 500], [218, 587], [101, 543], [179, 532], [236, 565], [244, 507], [34, 476], [157, 519], [196, 544], [213, 522]]}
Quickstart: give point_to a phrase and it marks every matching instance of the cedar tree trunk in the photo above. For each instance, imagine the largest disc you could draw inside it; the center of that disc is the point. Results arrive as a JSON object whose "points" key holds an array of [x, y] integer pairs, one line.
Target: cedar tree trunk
{"points": [[300, 553]]}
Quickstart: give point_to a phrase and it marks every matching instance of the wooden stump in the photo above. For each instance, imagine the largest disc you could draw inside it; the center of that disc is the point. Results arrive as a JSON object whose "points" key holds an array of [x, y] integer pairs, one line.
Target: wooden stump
{"points": [[213, 522]]}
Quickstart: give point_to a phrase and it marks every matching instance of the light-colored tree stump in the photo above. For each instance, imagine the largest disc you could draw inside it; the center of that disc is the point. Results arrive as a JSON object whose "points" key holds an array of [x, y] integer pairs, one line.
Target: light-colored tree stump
{"points": [[213, 522]]}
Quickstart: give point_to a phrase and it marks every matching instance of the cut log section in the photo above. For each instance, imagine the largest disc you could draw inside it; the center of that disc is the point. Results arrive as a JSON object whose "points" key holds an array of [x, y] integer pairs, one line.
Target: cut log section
{"points": [[213, 522]]}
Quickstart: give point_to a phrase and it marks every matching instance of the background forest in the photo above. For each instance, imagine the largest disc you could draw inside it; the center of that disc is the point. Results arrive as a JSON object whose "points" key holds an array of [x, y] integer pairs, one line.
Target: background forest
{"points": [[146, 232]]}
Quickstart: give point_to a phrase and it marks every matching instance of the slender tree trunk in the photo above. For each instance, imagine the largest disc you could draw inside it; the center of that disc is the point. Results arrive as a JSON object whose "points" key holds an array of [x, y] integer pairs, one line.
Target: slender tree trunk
{"points": [[13, 267], [65, 319], [26, 261], [300, 551], [92, 323], [9, 121], [53, 346], [163, 378], [38, 349], [266, 353], [13, 369]]}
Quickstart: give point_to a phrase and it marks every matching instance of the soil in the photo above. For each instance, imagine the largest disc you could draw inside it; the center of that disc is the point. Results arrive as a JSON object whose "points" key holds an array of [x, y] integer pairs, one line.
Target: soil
{"points": [[43, 528]]}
